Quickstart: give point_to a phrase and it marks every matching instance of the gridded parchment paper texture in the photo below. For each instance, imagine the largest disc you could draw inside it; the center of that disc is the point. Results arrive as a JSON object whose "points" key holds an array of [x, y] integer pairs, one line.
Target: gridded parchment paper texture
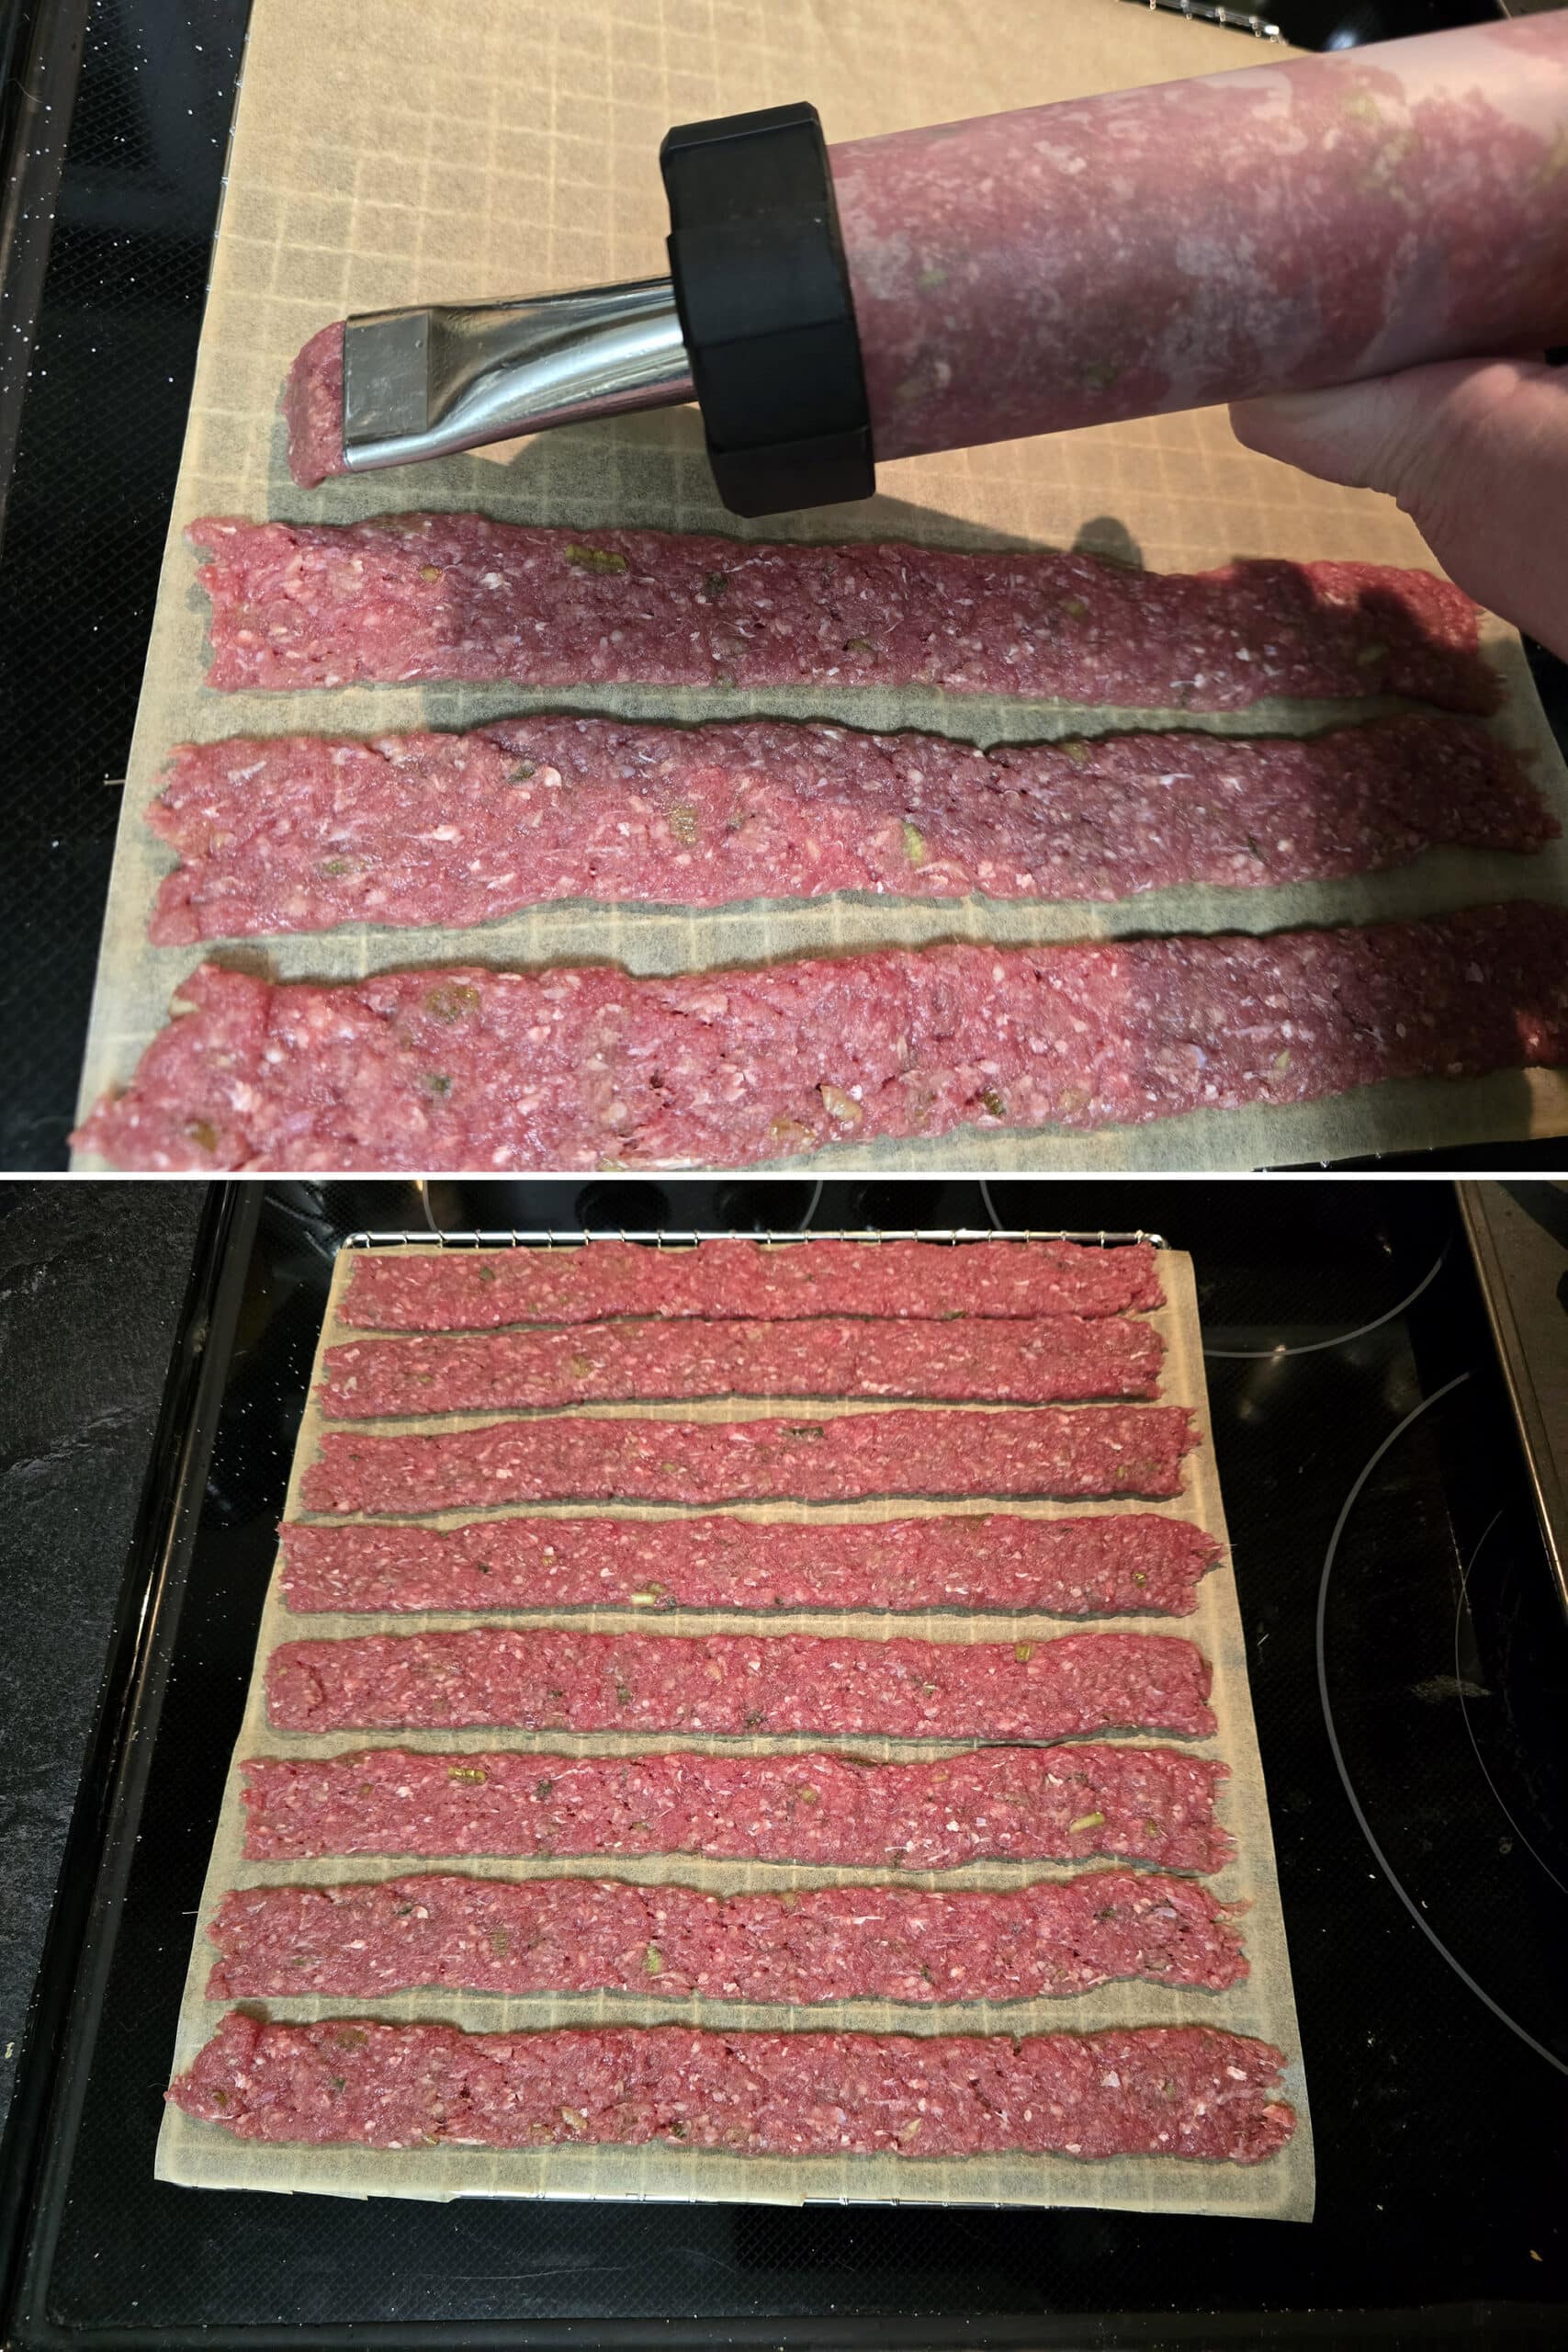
{"points": [[204, 2155], [389, 151]]}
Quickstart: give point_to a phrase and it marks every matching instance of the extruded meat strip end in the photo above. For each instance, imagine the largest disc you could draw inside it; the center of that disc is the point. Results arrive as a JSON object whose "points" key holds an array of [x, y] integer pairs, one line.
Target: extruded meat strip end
{"points": [[405, 597], [993, 1363], [1098, 1450], [1132, 1564], [312, 408], [363, 1940], [1076, 1803], [1143, 2090], [732, 1277], [589, 1067], [827, 1686], [295, 834]]}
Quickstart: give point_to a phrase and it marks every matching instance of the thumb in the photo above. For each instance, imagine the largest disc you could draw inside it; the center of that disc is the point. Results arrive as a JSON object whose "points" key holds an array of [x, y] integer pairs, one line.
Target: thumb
{"points": [[1474, 451]]}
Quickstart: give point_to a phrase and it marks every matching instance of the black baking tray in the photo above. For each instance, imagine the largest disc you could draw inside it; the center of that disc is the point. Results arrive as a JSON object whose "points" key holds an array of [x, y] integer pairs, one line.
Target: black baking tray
{"points": [[1370, 1469], [114, 118]]}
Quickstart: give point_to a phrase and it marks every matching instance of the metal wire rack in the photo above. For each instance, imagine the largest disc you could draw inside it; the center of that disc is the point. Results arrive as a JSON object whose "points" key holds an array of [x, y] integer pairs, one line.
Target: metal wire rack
{"points": [[1208, 12], [577, 1237], [542, 1237]]}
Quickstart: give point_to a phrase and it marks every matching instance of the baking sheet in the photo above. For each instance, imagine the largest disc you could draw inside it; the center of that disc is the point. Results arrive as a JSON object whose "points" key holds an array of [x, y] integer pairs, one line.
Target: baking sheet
{"points": [[400, 151], [204, 2155]]}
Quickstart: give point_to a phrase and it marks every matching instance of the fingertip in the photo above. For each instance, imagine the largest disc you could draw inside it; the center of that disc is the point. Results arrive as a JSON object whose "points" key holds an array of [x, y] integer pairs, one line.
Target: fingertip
{"points": [[1258, 426], [1386, 433], [1324, 433]]}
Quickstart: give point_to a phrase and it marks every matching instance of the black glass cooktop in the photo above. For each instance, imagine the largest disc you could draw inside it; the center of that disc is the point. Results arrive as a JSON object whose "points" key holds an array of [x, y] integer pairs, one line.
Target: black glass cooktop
{"points": [[117, 169], [1409, 1667]]}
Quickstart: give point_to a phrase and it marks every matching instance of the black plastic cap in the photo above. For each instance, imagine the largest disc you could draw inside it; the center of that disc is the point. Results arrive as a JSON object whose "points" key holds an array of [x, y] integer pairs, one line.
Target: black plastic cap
{"points": [[764, 296]]}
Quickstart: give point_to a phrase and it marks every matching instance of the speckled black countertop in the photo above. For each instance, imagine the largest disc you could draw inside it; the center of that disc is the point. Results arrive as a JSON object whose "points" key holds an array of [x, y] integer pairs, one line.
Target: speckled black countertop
{"points": [[92, 1280]]}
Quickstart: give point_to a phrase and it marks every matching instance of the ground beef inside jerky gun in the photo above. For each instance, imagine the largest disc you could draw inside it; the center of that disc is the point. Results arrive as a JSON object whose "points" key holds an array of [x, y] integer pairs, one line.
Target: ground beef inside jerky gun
{"points": [[728, 1277], [1149, 2090], [459, 597], [1088, 1566], [1297, 223], [1072, 1803], [1045, 1450], [293, 833], [544, 1679], [825, 1943], [585, 1363], [589, 1067]]}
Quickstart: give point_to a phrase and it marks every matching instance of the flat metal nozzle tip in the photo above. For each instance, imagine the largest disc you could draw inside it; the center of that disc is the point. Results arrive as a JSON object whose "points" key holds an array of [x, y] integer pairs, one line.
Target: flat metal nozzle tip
{"points": [[428, 383], [386, 376]]}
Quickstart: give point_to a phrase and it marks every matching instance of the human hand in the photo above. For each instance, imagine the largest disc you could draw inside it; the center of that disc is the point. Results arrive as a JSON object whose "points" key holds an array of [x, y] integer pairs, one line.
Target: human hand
{"points": [[1474, 451]]}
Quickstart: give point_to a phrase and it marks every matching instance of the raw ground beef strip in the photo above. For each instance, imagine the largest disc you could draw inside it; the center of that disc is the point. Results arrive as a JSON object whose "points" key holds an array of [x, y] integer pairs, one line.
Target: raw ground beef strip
{"points": [[457, 597], [826, 1686], [1148, 2090], [827, 1943], [587, 1067], [1072, 1803], [1152, 2089], [583, 1363], [1100, 1450], [1111, 1565], [293, 833], [728, 1276]]}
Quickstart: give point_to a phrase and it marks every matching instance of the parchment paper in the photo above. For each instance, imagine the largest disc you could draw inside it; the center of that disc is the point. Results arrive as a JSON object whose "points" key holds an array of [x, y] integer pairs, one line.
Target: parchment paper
{"points": [[204, 2155], [399, 151]]}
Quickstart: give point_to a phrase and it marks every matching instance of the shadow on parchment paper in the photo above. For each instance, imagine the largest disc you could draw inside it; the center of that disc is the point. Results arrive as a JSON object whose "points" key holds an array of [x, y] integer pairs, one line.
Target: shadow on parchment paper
{"points": [[1108, 536], [637, 472], [256, 956]]}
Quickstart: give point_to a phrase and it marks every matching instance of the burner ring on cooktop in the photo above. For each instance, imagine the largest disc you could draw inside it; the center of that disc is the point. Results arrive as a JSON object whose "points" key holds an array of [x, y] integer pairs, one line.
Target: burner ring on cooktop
{"points": [[1379, 1856], [1340, 1338], [1462, 1693], [1464, 1699]]}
